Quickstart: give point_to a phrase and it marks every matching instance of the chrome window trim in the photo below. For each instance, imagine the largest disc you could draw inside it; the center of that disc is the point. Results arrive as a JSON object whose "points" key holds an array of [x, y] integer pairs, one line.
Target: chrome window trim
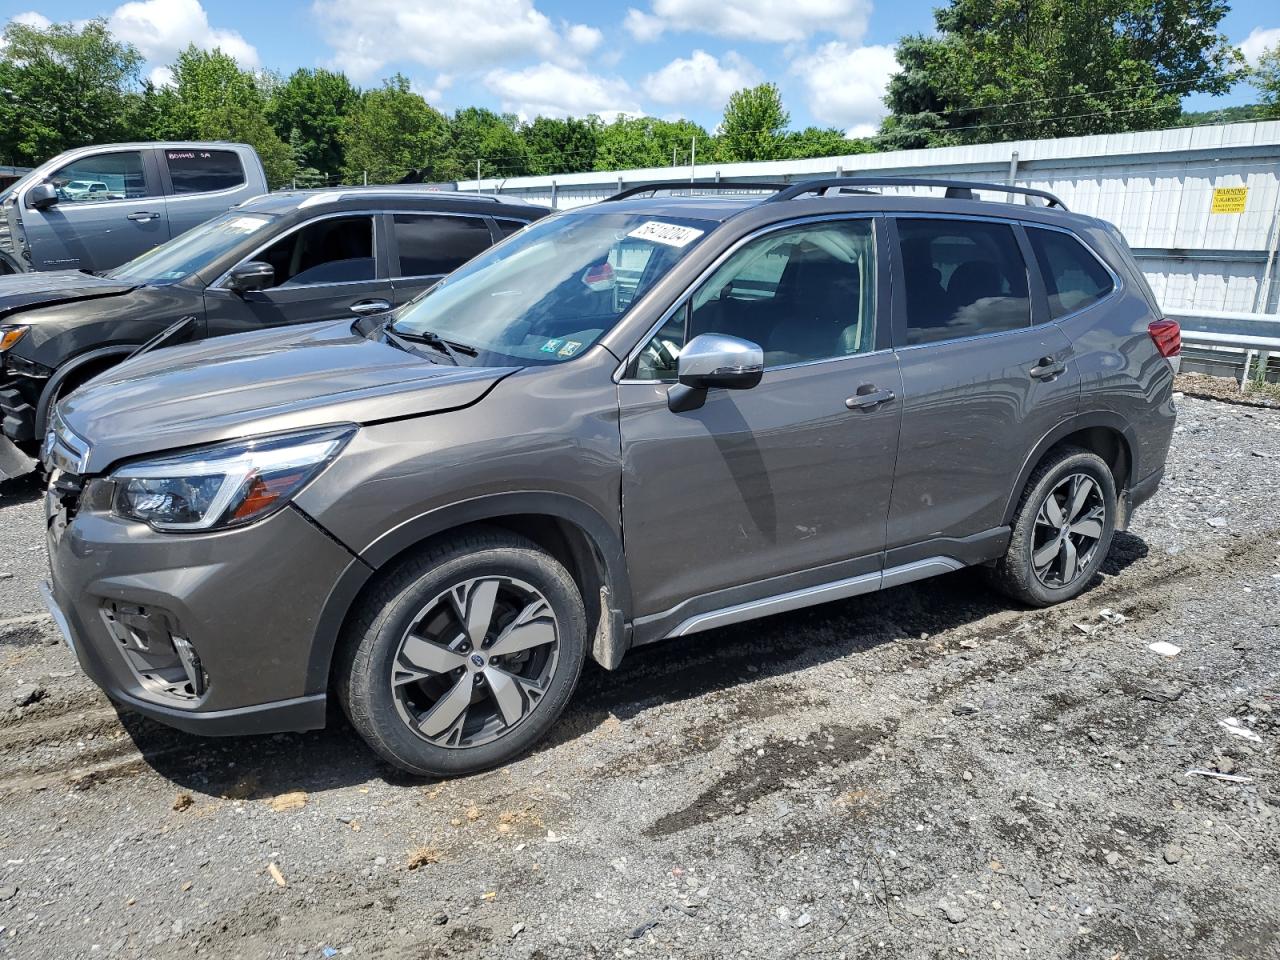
{"points": [[482, 217], [715, 265], [1117, 282], [371, 214]]}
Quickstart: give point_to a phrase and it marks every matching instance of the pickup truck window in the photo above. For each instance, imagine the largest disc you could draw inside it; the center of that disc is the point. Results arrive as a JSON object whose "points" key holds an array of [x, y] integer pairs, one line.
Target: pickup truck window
{"points": [[203, 171], [107, 176]]}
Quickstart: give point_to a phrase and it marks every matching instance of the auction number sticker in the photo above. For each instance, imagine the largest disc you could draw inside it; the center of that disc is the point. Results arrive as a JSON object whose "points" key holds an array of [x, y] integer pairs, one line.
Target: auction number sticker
{"points": [[669, 234]]}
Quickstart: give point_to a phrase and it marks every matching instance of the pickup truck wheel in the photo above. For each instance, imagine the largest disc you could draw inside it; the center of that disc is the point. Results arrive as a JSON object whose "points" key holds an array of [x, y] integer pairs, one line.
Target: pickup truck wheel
{"points": [[465, 656], [1062, 530]]}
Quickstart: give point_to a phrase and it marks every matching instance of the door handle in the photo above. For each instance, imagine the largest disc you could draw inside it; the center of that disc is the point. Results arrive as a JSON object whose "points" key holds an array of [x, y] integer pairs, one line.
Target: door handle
{"points": [[144, 215], [1047, 369], [370, 306], [869, 397]]}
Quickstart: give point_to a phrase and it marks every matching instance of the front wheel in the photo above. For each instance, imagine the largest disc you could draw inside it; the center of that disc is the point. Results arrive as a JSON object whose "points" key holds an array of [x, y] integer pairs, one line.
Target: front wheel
{"points": [[1062, 530], [465, 656]]}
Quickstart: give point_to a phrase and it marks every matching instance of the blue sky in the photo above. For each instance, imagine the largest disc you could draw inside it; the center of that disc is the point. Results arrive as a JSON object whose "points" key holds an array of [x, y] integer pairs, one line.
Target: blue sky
{"points": [[669, 58]]}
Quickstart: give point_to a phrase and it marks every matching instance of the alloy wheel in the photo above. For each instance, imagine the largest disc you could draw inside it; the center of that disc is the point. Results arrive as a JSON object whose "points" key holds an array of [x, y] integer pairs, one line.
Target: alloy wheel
{"points": [[475, 661], [1068, 528]]}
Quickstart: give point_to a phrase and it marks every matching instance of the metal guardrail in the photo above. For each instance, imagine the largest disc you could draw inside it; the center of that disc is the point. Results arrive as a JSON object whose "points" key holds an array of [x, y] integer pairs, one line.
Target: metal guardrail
{"points": [[1257, 334]]}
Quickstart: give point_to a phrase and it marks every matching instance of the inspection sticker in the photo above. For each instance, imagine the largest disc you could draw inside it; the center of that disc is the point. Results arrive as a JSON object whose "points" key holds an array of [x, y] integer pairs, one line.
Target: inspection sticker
{"points": [[551, 346], [670, 234], [570, 348], [1229, 199]]}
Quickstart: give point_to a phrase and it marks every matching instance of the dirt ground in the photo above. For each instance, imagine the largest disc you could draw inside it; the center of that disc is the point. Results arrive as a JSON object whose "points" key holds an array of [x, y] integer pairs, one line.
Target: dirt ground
{"points": [[926, 772]]}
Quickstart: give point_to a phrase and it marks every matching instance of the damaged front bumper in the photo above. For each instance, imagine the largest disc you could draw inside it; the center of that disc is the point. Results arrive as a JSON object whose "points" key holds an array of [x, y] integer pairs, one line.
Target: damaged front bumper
{"points": [[21, 383], [13, 462]]}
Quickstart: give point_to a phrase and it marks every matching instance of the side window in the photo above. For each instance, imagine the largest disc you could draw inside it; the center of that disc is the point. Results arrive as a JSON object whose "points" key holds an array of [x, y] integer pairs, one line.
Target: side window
{"points": [[108, 176], [336, 250], [963, 278], [1073, 277], [203, 171], [508, 227], [431, 245], [802, 293]]}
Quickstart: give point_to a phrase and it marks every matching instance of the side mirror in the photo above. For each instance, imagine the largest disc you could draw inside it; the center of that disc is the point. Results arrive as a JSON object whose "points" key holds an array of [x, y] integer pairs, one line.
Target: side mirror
{"points": [[42, 196], [254, 275], [714, 360]]}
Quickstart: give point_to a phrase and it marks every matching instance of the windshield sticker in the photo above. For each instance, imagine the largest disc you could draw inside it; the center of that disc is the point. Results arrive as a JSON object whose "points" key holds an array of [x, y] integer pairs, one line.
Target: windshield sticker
{"points": [[244, 224], [670, 234], [551, 346], [570, 348]]}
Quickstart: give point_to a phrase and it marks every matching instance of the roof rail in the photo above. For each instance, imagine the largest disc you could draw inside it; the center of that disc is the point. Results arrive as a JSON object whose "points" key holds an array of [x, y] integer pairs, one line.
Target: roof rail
{"points": [[956, 189], [657, 185]]}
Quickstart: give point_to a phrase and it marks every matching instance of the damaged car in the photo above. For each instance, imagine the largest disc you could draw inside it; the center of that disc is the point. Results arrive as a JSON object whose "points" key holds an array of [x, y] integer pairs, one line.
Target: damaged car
{"points": [[275, 260]]}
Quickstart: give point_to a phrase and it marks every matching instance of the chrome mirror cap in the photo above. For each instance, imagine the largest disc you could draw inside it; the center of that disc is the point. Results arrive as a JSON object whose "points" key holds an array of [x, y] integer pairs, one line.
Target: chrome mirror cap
{"points": [[715, 360]]}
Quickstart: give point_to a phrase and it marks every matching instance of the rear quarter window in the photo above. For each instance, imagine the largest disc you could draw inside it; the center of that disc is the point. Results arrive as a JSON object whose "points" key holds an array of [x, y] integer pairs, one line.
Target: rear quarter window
{"points": [[1073, 277]]}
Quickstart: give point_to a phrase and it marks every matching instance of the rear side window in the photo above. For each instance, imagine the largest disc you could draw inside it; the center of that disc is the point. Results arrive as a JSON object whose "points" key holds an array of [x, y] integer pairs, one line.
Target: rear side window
{"points": [[433, 245], [963, 278], [203, 171], [1073, 277], [508, 227]]}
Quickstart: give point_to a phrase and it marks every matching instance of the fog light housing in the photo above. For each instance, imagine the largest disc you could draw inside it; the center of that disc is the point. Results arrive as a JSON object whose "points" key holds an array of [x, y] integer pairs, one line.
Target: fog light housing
{"points": [[190, 661]]}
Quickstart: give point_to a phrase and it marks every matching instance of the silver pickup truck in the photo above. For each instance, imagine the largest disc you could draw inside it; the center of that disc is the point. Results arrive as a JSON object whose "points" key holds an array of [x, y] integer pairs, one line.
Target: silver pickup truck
{"points": [[95, 208]]}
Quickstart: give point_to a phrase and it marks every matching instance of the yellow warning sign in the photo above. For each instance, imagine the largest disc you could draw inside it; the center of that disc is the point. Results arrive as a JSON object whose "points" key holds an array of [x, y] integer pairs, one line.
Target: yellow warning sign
{"points": [[1229, 199]]}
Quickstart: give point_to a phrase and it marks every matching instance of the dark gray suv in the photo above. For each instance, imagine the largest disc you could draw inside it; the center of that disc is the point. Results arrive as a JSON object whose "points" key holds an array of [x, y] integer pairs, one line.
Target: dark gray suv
{"points": [[628, 422]]}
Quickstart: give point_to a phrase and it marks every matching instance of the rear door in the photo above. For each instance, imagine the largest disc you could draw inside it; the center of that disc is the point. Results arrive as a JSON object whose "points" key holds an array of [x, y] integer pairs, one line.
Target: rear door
{"points": [[91, 228], [981, 382], [790, 477], [200, 183], [427, 246], [327, 268]]}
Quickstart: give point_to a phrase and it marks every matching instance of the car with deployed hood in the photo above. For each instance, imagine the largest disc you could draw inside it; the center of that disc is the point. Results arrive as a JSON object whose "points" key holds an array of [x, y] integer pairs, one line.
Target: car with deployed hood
{"points": [[629, 422], [275, 260]]}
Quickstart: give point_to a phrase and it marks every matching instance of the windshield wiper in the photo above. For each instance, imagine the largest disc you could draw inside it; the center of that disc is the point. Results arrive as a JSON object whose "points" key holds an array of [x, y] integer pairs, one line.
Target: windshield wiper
{"points": [[451, 350]]}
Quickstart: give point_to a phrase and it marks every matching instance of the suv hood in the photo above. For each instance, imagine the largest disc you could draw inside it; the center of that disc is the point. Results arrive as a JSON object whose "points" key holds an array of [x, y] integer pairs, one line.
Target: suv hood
{"points": [[20, 291], [255, 383]]}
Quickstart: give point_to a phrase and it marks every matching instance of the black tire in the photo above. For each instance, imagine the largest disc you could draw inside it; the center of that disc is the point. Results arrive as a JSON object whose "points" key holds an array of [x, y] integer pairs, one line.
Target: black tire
{"points": [[371, 649], [1016, 573]]}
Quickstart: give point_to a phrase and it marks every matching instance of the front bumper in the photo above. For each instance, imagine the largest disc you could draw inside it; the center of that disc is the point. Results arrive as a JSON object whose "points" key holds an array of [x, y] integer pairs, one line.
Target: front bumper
{"points": [[247, 600]]}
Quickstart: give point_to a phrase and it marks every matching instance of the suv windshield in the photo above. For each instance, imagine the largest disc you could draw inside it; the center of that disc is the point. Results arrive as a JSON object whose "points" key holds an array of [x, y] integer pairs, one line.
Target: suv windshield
{"points": [[549, 292], [188, 252]]}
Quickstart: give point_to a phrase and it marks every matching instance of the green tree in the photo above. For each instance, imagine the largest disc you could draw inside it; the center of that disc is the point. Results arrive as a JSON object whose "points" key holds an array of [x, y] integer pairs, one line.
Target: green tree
{"points": [[313, 102], [492, 138], [821, 142], [305, 177], [561, 146], [213, 99], [1010, 69], [1266, 77], [63, 86], [391, 131], [632, 142], [754, 124]]}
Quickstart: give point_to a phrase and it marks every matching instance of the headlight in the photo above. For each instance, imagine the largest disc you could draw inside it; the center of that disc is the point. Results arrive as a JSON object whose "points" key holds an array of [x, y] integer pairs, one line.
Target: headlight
{"points": [[11, 333], [224, 485]]}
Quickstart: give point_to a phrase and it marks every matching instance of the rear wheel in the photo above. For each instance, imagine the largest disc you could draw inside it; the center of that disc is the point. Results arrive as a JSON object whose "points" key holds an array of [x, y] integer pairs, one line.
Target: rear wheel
{"points": [[465, 656], [1062, 530]]}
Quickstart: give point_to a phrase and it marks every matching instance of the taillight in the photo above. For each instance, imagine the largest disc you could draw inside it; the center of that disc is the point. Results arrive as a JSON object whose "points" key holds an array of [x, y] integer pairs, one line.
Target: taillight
{"points": [[1167, 336]]}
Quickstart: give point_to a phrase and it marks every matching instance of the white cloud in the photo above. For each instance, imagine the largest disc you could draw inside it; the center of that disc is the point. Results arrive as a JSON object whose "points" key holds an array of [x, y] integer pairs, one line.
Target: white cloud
{"points": [[701, 79], [162, 28], [761, 20], [553, 90], [33, 19], [366, 35], [846, 84], [1259, 41], [161, 77]]}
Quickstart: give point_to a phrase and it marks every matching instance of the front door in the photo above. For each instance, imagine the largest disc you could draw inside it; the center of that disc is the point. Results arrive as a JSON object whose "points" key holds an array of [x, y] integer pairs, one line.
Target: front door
{"points": [[790, 479], [981, 382], [326, 269], [109, 210]]}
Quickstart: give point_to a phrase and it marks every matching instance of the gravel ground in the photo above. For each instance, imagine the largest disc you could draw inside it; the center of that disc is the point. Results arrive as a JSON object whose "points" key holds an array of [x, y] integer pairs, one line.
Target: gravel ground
{"points": [[918, 773]]}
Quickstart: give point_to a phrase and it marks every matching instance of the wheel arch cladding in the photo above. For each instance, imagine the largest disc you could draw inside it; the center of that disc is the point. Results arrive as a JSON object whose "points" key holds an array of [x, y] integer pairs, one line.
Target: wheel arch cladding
{"points": [[564, 527], [75, 372], [1105, 434]]}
